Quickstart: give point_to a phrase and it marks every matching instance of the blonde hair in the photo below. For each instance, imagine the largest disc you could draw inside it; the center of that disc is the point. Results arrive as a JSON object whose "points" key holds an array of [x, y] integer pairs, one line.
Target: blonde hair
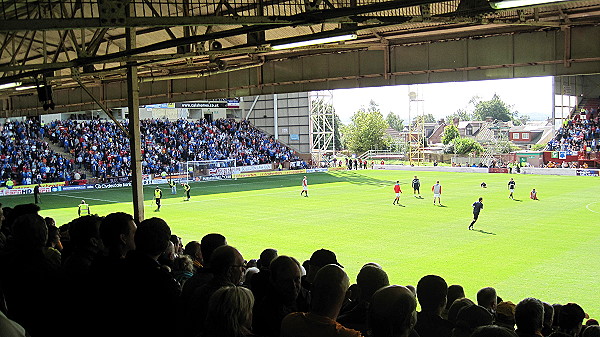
{"points": [[229, 312]]}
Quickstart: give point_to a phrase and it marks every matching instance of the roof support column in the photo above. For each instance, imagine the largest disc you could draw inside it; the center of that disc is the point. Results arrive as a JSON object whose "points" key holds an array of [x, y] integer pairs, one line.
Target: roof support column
{"points": [[133, 104]]}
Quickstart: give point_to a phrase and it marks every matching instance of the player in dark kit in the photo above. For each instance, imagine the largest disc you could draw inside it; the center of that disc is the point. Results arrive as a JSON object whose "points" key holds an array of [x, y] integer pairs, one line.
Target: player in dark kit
{"points": [[511, 188], [477, 207], [416, 185]]}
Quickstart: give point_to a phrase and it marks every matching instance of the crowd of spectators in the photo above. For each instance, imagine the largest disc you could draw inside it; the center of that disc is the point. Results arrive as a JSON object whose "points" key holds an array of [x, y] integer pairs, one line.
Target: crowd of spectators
{"points": [[103, 149], [581, 133], [26, 158], [112, 276]]}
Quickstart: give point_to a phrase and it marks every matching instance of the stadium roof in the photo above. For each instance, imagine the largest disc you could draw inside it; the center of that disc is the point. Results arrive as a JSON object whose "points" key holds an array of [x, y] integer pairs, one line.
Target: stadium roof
{"points": [[70, 40]]}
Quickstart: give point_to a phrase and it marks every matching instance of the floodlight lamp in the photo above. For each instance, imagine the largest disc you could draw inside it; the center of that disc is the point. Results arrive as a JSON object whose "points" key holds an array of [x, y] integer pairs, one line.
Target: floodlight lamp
{"points": [[324, 40], [25, 87], [9, 85], [505, 4]]}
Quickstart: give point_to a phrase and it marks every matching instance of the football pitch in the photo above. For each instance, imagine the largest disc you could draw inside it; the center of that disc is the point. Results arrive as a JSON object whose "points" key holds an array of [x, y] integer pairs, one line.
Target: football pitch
{"points": [[548, 249]]}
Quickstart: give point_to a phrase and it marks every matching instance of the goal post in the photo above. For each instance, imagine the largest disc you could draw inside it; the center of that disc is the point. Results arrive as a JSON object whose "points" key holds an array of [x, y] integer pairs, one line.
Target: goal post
{"points": [[203, 170]]}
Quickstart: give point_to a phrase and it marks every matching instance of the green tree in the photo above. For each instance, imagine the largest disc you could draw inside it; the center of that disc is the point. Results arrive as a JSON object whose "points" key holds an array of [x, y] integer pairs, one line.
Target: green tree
{"points": [[428, 118], [507, 147], [450, 134], [366, 131], [495, 108], [466, 146], [394, 121], [538, 147], [461, 114], [338, 125]]}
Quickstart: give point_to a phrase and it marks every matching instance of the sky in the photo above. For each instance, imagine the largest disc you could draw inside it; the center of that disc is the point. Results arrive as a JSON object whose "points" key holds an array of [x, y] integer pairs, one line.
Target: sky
{"points": [[528, 96]]}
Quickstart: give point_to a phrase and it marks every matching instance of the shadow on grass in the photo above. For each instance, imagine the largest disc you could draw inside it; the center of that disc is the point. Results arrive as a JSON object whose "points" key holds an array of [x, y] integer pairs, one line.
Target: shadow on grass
{"points": [[519, 200], [483, 232]]}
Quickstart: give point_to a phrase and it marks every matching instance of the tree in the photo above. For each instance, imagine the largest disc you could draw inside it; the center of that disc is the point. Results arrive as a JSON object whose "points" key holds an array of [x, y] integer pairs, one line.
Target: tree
{"points": [[506, 147], [394, 121], [495, 108], [466, 146], [366, 131], [428, 118], [450, 133], [461, 114]]}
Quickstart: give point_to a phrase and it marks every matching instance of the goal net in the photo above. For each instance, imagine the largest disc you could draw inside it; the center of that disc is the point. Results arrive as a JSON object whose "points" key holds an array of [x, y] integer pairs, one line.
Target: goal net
{"points": [[205, 170]]}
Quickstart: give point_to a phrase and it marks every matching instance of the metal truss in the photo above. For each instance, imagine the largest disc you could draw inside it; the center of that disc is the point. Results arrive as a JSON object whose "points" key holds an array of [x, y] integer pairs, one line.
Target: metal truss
{"points": [[322, 124]]}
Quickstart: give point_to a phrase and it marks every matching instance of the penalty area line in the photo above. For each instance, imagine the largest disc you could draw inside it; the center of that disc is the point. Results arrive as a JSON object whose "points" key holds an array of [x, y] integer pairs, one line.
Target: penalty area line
{"points": [[591, 203], [84, 198]]}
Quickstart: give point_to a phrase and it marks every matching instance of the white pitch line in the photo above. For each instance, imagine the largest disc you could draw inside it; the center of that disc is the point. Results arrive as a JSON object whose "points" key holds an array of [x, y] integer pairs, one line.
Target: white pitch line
{"points": [[79, 197], [591, 203]]}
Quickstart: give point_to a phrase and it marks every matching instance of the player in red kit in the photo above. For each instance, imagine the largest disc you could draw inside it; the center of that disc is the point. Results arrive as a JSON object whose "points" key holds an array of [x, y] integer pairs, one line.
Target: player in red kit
{"points": [[397, 190], [304, 187]]}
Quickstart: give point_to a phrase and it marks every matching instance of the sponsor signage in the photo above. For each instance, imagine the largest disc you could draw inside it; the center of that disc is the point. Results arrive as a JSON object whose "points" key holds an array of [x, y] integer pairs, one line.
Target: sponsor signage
{"points": [[202, 104], [588, 173], [16, 187], [76, 187], [497, 170], [266, 174], [239, 169], [323, 169], [111, 180], [216, 177], [102, 186]]}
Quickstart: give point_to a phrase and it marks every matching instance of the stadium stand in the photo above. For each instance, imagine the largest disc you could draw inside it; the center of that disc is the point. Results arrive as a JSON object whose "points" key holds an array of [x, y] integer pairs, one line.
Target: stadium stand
{"points": [[104, 150], [582, 130], [26, 158], [107, 288]]}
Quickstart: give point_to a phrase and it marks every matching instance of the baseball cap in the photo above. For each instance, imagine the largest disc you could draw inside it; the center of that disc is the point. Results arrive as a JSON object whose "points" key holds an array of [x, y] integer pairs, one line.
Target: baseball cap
{"points": [[506, 309], [323, 257]]}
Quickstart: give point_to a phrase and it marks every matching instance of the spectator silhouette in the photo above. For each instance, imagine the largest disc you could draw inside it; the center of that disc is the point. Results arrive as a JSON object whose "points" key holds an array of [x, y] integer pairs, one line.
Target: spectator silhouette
{"points": [[86, 243], [548, 319], [229, 313], [117, 231], [431, 293], [493, 331], [260, 283], [455, 291], [505, 314], [456, 307], [592, 331], [27, 277], [228, 267], [209, 243], [150, 293], [192, 249], [486, 297], [470, 318], [318, 260], [369, 280], [285, 296], [529, 317], [329, 288], [392, 312], [570, 320]]}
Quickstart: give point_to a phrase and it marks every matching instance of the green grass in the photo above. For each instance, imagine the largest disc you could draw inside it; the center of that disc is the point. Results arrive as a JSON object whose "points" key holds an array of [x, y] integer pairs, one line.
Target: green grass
{"points": [[547, 249]]}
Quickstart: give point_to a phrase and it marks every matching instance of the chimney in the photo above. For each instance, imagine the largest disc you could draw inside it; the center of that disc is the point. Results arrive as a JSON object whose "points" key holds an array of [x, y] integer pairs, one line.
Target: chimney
{"points": [[489, 119]]}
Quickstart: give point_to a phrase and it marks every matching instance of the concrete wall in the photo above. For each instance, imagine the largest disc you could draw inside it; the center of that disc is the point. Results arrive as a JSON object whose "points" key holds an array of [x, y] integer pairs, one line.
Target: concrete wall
{"points": [[293, 117]]}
